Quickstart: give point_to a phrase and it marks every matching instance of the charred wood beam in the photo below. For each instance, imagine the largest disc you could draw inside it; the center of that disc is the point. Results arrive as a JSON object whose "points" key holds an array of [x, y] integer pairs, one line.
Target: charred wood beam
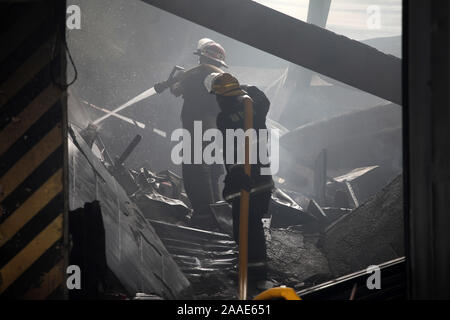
{"points": [[307, 45]]}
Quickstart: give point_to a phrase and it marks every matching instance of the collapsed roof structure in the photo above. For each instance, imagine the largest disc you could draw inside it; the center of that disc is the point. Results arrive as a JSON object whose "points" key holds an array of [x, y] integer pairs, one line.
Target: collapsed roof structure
{"points": [[142, 237]]}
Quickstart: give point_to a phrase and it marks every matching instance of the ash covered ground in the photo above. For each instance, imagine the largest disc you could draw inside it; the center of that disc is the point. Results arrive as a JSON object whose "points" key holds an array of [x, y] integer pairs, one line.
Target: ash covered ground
{"points": [[299, 255], [370, 234]]}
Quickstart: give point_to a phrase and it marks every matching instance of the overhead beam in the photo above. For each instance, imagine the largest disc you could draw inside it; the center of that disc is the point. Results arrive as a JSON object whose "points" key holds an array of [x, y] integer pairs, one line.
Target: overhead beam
{"points": [[307, 45]]}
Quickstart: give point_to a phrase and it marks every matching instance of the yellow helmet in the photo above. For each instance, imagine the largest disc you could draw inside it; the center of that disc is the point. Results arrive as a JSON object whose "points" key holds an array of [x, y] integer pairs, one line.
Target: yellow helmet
{"points": [[223, 84]]}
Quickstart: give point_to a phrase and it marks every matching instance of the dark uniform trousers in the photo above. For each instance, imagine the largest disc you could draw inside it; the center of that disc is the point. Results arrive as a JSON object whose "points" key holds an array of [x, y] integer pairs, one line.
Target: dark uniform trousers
{"points": [[201, 181]]}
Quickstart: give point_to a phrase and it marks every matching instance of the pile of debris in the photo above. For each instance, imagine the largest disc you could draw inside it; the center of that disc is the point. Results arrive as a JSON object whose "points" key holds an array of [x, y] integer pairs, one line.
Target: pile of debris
{"points": [[345, 221], [370, 234], [294, 258], [307, 242]]}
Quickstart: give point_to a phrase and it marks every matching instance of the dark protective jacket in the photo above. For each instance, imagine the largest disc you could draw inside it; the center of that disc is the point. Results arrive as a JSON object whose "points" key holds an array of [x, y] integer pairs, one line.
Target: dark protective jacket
{"points": [[231, 116], [198, 104]]}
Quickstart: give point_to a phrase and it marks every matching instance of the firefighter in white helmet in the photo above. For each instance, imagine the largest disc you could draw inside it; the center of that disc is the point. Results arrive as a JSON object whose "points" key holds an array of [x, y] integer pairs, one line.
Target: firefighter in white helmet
{"points": [[211, 51], [201, 181]]}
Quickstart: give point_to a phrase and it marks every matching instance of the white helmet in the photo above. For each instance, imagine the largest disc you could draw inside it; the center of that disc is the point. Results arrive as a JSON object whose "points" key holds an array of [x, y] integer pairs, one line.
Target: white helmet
{"points": [[212, 50]]}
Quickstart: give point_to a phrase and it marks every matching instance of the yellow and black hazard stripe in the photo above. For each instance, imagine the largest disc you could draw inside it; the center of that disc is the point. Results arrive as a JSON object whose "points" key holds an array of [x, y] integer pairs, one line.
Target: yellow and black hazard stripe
{"points": [[32, 201]]}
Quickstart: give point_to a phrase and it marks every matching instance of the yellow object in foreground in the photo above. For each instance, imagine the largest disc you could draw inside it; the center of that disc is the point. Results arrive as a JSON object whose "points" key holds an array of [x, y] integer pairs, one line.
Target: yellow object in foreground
{"points": [[224, 84], [278, 293]]}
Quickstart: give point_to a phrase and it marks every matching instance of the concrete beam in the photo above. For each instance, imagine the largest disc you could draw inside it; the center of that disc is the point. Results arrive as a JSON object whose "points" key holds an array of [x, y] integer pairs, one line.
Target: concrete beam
{"points": [[307, 45]]}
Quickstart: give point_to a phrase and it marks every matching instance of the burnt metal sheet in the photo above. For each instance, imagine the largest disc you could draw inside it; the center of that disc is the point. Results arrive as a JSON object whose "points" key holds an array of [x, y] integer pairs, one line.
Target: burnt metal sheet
{"points": [[161, 196], [134, 251], [286, 212], [159, 207], [197, 251], [355, 174], [283, 212], [360, 183], [222, 212]]}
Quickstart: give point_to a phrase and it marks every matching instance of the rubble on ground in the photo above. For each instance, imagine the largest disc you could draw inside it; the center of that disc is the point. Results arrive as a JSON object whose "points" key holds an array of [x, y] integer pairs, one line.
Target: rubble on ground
{"points": [[311, 238], [208, 259], [293, 257], [306, 244], [371, 234]]}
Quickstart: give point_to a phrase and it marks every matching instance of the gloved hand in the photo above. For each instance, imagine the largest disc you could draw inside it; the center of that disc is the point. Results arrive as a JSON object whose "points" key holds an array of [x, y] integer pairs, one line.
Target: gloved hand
{"points": [[161, 86], [235, 181]]}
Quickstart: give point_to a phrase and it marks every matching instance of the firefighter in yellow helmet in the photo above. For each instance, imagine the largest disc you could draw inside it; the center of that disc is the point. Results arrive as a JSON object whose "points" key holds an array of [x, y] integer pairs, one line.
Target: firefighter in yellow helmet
{"points": [[229, 94]]}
